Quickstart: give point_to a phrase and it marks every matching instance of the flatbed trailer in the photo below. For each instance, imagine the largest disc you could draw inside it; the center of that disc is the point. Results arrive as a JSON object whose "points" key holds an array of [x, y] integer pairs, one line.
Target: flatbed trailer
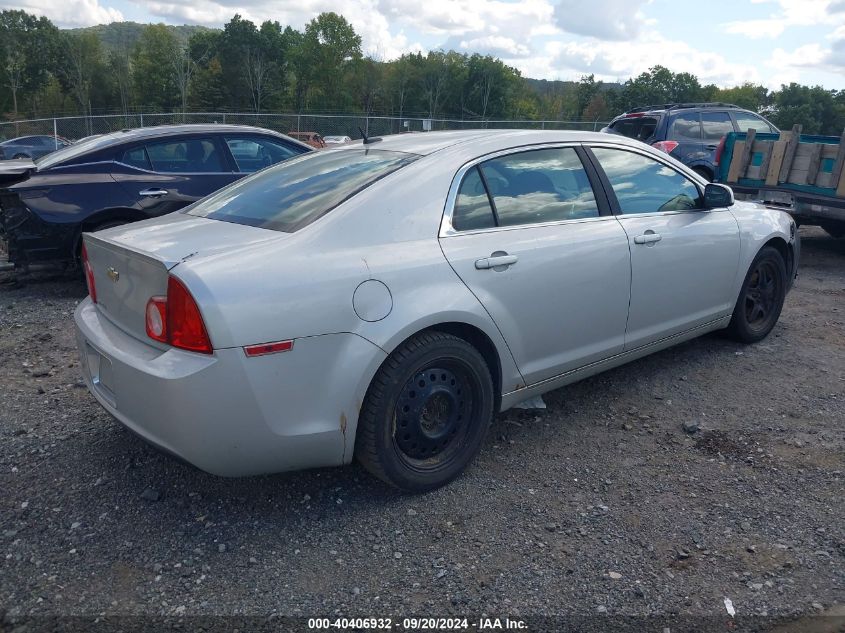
{"points": [[800, 173]]}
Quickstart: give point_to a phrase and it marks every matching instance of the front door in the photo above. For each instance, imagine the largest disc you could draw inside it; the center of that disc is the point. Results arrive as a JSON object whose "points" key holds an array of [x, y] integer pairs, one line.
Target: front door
{"points": [[684, 259], [528, 239]]}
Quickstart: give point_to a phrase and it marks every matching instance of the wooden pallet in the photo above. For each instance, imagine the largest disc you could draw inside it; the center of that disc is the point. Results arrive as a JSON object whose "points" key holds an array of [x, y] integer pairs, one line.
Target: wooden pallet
{"points": [[789, 161]]}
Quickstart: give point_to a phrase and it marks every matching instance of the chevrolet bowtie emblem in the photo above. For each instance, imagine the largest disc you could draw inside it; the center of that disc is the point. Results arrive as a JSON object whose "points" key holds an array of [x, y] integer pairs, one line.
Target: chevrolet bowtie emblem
{"points": [[113, 274]]}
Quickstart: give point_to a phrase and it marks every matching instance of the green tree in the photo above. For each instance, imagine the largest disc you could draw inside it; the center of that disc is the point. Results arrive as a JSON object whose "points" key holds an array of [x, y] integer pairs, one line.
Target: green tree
{"points": [[80, 66], [27, 50], [330, 48], [749, 96], [153, 68]]}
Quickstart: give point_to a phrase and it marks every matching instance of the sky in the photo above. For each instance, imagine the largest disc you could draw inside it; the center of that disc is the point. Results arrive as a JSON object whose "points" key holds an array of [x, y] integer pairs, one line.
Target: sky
{"points": [[771, 42]]}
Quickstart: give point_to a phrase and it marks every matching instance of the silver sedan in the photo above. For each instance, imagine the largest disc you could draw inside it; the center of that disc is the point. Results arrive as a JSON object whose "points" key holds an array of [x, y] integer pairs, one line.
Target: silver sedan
{"points": [[382, 300]]}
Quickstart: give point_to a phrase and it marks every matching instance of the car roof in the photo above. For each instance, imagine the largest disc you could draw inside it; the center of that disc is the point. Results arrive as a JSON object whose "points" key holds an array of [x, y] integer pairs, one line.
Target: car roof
{"points": [[144, 133], [425, 143]]}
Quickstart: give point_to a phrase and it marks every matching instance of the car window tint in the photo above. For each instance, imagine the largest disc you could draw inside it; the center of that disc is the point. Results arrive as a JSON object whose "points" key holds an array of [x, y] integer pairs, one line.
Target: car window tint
{"points": [[544, 185], [136, 157], [252, 153], [185, 156], [747, 122], [685, 126], [641, 128], [644, 185], [292, 194], [714, 125], [472, 206]]}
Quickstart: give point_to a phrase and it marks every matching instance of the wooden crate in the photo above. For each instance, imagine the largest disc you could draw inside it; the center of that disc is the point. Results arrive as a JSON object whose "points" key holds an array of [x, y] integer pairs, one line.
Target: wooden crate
{"points": [[789, 161]]}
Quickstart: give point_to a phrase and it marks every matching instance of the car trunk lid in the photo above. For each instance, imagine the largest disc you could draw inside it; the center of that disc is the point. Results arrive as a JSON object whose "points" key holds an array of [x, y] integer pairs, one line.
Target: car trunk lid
{"points": [[131, 263]]}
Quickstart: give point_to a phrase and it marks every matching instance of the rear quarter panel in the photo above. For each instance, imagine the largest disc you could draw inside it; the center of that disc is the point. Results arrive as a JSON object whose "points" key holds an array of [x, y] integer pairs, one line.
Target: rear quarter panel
{"points": [[757, 226]]}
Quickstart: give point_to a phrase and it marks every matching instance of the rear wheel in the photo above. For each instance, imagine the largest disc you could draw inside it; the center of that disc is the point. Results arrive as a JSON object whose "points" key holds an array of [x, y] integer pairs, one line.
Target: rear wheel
{"points": [[761, 298], [835, 229], [426, 412], [704, 173]]}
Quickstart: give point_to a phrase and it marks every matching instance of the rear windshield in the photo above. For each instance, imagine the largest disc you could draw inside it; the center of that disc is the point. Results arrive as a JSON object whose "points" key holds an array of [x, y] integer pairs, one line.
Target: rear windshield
{"points": [[640, 128], [88, 144], [293, 194]]}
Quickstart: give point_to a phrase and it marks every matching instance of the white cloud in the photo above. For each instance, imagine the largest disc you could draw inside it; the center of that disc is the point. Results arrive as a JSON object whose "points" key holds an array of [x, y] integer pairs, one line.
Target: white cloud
{"points": [[70, 13], [603, 19], [612, 60], [791, 13]]}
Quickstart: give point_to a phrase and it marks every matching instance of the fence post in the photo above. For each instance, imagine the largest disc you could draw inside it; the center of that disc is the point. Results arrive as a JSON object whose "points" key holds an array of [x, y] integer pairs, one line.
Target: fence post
{"points": [[298, 116], [55, 134], [142, 119], [367, 124]]}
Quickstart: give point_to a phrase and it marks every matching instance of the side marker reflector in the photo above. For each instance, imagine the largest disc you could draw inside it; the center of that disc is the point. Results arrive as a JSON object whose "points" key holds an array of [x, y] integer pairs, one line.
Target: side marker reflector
{"points": [[268, 348]]}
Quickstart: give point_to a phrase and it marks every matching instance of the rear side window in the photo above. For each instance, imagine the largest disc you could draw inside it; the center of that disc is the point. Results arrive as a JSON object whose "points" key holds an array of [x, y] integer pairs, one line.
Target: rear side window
{"points": [[747, 122], [715, 125], [194, 155], [644, 185], [685, 126], [295, 193], [545, 185], [641, 128], [472, 207], [136, 157]]}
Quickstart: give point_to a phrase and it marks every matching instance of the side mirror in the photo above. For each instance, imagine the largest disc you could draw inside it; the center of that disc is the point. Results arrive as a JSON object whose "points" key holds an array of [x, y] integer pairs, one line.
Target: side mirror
{"points": [[717, 196]]}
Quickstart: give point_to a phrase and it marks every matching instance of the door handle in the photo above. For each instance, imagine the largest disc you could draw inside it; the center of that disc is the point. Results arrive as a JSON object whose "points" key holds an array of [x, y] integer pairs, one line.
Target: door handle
{"points": [[648, 238], [153, 193], [496, 260]]}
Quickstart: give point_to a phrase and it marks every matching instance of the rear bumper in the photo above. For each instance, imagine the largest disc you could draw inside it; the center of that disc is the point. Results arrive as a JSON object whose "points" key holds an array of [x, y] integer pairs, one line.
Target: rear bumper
{"points": [[225, 413]]}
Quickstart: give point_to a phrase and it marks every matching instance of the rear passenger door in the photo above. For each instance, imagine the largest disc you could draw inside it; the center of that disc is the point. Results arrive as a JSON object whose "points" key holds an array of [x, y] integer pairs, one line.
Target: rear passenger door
{"points": [[165, 175], [525, 232]]}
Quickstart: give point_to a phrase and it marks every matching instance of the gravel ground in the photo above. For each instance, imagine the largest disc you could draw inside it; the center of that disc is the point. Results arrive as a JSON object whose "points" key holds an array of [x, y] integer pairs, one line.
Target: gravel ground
{"points": [[707, 471]]}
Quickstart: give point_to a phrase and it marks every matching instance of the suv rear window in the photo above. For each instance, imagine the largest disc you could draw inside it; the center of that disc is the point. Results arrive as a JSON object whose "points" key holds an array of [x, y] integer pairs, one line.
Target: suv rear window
{"points": [[297, 192], [640, 128]]}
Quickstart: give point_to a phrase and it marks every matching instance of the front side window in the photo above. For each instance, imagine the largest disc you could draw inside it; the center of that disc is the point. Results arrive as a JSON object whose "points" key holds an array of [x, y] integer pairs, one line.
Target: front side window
{"points": [[645, 185], [745, 122], [686, 126], [295, 193], [715, 125], [185, 156], [252, 153]]}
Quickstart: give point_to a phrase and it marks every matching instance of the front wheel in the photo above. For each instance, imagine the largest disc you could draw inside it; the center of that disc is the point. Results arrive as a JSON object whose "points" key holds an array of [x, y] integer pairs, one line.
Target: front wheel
{"points": [[761, 298], [426, 412]]}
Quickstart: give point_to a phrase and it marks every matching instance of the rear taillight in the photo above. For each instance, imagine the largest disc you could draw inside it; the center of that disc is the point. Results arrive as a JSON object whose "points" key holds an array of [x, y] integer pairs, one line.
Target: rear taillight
{"points": [[176, 319], [89, 274], [719, 150], [665, 146]]}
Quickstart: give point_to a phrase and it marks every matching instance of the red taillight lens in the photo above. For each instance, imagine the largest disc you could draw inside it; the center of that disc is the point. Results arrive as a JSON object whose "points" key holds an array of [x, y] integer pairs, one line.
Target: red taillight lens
{"points": [[176, 319], [89, 274], [185, 327], [719, 150], [665, 146]]}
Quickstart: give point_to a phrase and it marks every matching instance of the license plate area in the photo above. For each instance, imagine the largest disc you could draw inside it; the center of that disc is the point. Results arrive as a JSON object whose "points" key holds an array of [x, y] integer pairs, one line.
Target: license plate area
{"points": [[101, 373]]}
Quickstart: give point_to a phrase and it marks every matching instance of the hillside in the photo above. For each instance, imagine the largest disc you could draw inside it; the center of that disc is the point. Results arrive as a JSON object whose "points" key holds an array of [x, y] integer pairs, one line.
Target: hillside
{"points": [[125, 34]]}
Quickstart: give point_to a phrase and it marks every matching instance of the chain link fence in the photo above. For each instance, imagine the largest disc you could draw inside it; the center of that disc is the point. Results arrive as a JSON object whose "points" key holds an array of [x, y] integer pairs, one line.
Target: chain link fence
{"points": [[74, 128]]}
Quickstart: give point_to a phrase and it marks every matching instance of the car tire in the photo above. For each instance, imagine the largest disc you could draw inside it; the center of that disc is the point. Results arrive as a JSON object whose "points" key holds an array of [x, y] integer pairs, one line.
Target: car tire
{"points": [[704, 173], [761, 298], [426, 412], [835, 229]]}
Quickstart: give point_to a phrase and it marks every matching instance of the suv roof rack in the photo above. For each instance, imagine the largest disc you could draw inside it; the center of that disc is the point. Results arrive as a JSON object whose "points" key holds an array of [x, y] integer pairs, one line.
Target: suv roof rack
{"points": [[675, 106]]}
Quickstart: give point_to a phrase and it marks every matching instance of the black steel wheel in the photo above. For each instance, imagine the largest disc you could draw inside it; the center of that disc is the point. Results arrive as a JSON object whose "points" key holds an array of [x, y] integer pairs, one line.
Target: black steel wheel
{"points": [[426, 413], [761, 298]]}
